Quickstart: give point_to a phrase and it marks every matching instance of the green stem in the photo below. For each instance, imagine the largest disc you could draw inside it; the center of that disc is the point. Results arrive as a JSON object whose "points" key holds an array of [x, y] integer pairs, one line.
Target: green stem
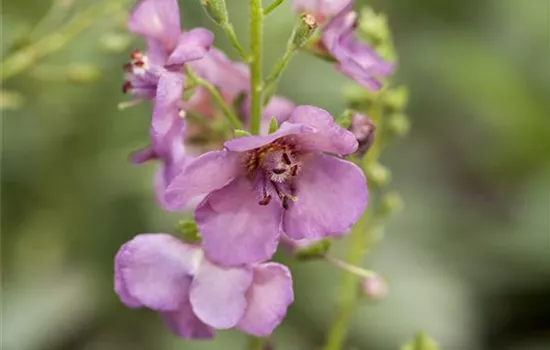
{"points": [[272, 7], [24, 58], [256, 24], [233, 119], [255, 343], [349, 285], [230, 32], [361, 241], [280, 66]]}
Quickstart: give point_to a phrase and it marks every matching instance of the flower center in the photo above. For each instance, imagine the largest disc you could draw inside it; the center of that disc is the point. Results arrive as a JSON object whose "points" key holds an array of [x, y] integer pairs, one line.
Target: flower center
{"points": [[138, 66], [275, 167]]}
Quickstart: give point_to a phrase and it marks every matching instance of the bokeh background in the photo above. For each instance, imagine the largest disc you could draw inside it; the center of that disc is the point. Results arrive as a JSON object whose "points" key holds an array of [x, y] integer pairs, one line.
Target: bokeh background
{"points": [[468, 260]]}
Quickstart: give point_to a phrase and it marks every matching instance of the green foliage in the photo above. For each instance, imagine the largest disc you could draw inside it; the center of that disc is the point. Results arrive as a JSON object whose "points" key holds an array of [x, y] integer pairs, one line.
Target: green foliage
{"points": [[421, 342]]}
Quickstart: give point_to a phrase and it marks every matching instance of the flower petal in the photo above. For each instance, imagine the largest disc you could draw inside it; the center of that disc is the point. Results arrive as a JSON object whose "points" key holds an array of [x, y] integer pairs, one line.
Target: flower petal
{"points": [[207, 173], [218, 294], [186, 324], [167, 105], [192, 45], [328, 136], [268, 299], [247, 143], [158, 20], [324, 181], [153, 270], [235, 228]]}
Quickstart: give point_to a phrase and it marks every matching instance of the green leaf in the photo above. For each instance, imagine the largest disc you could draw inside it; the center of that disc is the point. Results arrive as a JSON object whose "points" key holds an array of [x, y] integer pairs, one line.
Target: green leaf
{"points": [[273, 125], [421, 342], [189, 231], [241, 133]]}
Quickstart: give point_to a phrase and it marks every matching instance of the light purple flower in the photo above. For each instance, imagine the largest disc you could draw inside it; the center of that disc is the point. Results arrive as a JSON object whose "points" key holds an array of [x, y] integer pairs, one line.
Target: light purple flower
{"points": [[321, 9], [260, 186], [196, 296], [355, 58], [158, 21]]}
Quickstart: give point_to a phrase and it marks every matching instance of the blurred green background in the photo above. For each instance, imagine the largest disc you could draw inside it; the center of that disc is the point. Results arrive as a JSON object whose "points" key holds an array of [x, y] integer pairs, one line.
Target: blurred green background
{"points": [[468, 260]]}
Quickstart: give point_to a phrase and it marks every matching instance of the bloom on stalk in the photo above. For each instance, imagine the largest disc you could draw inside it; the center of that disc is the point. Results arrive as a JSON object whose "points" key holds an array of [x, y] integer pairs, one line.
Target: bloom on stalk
{"points": [[321, 9], [260, 186], [158, 22], [355, 58], [196, 296]]}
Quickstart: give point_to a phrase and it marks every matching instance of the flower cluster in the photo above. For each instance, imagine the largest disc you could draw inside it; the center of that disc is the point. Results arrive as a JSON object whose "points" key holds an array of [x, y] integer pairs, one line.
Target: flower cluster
{"points": [[290, 181]]}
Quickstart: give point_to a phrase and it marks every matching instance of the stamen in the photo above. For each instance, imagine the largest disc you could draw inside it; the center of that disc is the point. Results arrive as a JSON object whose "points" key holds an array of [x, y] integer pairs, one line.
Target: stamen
{"points": [[126, 87], [139, 63], [293, 170], [127, 67], [284, 202], [136, 54], [286, 159], [265, 200], [278, 171]]}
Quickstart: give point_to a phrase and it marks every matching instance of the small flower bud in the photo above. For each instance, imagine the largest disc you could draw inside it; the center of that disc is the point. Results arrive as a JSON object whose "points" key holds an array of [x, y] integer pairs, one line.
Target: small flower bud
{"points": [[378, 175], [390, 203], [364, 131], [356, 95], [396, 99], [398, 124], [303, 30], [216, 10], [374, 287], [374, 27], [189, 231], [273, 125], [421, 342], [10, 100], [83, 73], [115, 43]]}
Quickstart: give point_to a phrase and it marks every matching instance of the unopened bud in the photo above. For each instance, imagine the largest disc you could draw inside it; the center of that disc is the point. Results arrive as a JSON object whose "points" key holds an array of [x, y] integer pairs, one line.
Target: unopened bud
{"points": [[303, 30], [374, 287], [83, 73], [115, 42], [396, 99], [378, 175], [398, 124], [421, 342], [363, 129], [216, 10], [189, 231], [390, 203], [11, 100], [374, 27]]}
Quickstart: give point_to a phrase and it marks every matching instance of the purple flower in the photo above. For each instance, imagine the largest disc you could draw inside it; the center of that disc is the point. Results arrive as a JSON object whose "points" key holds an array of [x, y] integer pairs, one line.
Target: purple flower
{"points": [[355, 58], [260, 186], [321, 9], [363, 129], [196, 296], [158, 21]]}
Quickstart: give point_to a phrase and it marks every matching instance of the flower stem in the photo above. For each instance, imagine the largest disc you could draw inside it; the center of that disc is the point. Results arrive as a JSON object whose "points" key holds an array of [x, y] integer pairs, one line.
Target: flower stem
{"points": [[24, 58], [256, 24], [361, 241], [272, 7], [233, 119], [255, 343], [348, 287], [273, 78], [230, 32]]}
